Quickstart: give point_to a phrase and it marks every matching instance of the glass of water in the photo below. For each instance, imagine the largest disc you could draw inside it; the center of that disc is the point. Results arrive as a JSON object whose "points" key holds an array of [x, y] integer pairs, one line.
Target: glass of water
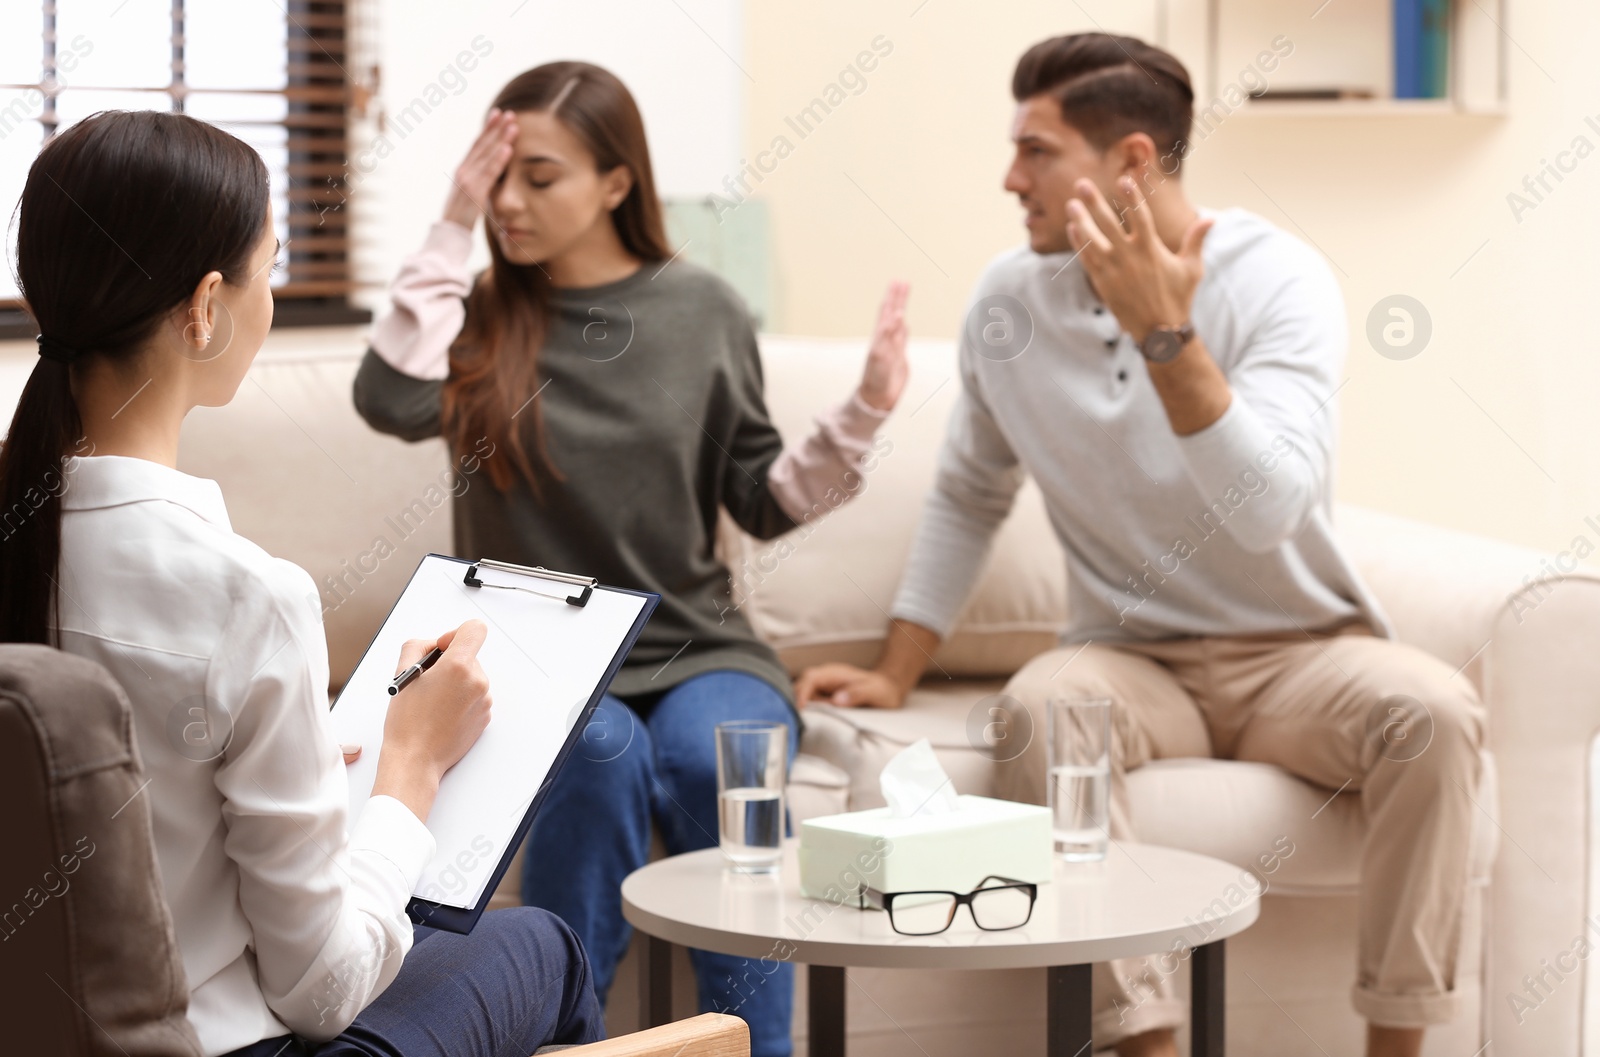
{"points": [[752, 768], [1078, 730]]}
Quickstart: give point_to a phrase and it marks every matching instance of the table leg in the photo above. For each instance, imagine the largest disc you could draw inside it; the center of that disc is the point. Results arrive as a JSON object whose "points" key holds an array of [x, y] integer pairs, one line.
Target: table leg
{"points": [[1069, 1029], [1207, 982], [655, 983], [825, 1010]]}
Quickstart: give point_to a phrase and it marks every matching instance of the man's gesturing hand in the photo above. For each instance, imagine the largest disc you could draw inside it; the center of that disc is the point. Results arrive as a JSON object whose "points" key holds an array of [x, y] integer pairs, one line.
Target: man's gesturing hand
{"points": [[847, 686], [1144, 283]]}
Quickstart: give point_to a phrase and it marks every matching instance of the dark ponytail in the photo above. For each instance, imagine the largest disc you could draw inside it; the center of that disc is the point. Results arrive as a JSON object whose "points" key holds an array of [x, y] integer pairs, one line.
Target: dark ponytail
{"points": [[122, 215]]}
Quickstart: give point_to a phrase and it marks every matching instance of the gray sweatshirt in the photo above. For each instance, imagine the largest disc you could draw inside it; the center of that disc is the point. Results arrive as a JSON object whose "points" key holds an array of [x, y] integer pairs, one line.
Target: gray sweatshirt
{"points": [[654, 410], [1223, 532]]}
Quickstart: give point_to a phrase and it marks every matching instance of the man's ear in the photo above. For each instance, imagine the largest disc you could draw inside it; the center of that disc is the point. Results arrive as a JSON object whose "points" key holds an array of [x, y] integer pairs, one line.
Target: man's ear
{"points": [[618, 182], [1134, 155]]}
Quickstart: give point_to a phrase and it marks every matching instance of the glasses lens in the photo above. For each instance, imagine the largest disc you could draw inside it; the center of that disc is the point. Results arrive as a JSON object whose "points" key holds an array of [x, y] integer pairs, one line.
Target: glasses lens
{"points": [[1001, 908], [922, 913]]}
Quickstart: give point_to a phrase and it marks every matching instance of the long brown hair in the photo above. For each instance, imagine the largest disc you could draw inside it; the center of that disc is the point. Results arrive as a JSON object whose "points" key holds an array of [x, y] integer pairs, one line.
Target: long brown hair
{"points": [[121, 217], [494, 362]]}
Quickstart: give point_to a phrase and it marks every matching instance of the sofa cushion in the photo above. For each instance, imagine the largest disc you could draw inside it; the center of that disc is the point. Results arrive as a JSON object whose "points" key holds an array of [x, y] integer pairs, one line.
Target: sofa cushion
{"points": [[89, 960], [816, 787], [819, 593], [860, 741], [823, 591], [1251, 814]]}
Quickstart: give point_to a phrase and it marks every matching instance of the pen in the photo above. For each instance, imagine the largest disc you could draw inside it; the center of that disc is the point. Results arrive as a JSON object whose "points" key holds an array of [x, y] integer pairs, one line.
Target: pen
{"points": [[403, 680]]}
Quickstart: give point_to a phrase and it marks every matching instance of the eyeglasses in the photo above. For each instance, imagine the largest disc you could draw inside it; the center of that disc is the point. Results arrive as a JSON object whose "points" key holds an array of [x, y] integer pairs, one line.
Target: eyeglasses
{"points": [[997, 904]]}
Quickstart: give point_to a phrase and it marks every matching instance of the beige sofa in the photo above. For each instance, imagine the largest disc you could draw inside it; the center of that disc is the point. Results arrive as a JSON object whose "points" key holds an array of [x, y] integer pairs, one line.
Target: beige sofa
{"points": [[305, 478]]}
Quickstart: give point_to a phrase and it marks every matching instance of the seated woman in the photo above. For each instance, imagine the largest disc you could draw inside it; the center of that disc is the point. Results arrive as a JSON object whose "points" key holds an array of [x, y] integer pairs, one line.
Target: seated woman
{"points": [[613, 392], [144, 249]]}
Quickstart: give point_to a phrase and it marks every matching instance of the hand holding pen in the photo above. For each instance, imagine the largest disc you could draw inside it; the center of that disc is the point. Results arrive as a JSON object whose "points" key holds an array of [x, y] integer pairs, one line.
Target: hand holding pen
{"points": [[407, 675], [405, 678], [437, 720], [433, 725]]}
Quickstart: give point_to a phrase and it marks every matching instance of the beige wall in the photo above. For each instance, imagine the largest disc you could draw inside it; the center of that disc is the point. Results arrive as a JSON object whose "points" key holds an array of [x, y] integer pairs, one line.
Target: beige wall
{"points": [[1492, 428]]}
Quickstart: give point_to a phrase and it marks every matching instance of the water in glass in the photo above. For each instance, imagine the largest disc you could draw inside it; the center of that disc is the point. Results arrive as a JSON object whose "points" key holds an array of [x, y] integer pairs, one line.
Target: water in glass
{"points": [[1077, 806], [751, 826]]}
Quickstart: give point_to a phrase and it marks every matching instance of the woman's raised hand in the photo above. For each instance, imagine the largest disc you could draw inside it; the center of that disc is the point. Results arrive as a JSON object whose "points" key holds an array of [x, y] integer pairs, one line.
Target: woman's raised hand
{"points": [[887, 367], [480, 170]]}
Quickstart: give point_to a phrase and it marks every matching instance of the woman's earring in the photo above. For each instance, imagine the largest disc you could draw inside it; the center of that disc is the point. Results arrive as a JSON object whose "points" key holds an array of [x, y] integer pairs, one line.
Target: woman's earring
{"points": [[205, 337]]}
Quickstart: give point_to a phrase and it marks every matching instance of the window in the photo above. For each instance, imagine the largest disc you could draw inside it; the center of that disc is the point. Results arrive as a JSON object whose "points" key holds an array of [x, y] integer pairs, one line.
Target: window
{"points": [[275, 73]]}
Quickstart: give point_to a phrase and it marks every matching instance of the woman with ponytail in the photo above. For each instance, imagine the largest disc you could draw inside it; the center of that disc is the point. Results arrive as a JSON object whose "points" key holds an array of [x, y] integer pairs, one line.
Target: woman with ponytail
{"points": [[144, 249], [613, 394]]}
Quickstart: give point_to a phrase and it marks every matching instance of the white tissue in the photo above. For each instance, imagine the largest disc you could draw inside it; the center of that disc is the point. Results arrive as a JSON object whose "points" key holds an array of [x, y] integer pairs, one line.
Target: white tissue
{"points": [[913, 783]]}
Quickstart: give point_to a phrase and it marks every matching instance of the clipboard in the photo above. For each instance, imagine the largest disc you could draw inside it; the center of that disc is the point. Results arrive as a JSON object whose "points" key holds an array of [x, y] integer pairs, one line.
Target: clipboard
{"points": [[556, 640]]}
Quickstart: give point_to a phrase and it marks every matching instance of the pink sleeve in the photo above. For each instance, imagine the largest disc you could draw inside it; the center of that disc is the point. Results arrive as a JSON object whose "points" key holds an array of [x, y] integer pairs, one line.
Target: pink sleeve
{"points": [[414, 338], [804, 473]]}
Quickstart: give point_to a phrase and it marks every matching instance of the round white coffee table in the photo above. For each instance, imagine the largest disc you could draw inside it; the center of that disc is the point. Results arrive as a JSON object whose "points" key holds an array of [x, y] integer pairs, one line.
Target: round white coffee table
{"points": [[1142, 900]]}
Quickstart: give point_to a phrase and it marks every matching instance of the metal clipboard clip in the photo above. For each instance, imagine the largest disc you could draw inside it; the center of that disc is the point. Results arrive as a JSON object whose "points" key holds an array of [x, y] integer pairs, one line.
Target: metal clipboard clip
{"points": [[581, 599]]}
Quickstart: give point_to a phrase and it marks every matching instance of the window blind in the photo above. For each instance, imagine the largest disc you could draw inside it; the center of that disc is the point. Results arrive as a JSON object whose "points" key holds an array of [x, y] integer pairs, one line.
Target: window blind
{"points": [[285, 76]]}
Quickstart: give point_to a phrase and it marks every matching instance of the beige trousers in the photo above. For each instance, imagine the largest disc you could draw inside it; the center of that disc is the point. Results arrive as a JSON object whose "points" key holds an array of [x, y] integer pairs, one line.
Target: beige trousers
{"points": [[1341, 709]]}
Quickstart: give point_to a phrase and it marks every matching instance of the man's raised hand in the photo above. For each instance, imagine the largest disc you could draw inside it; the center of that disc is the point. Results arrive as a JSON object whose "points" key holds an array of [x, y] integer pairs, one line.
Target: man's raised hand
{"points": [[1144, 283]]}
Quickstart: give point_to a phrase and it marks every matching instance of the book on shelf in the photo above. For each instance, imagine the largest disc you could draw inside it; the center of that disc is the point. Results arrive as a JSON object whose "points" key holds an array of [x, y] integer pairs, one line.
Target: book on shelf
{"points": [[1422, 49]]}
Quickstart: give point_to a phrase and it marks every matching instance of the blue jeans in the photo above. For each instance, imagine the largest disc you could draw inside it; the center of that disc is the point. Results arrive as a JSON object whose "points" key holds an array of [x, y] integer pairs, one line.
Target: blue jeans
{"points": [[594, 830], [517, 982]]}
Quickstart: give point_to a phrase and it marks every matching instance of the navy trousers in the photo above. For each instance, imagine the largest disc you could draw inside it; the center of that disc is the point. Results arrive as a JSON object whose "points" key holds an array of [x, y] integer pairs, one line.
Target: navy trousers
{"points": [[517, 982]]}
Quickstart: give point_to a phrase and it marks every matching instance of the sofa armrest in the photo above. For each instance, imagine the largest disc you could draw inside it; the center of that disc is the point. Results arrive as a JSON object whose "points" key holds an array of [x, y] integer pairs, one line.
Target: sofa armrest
{"points": [[1524, 627], [708, 1035]]}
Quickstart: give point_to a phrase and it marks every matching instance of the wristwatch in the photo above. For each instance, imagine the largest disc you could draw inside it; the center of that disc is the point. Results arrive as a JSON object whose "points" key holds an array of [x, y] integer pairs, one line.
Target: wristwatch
{"points": [[1163, 343]]}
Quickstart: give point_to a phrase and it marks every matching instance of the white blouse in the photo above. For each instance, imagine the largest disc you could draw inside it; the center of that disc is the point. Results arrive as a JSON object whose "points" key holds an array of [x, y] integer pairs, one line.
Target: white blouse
{"points": [[287, 920]]}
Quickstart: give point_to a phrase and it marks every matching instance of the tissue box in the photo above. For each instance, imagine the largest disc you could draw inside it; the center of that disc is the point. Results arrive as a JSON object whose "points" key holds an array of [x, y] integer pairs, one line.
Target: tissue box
{"points": [[946, 852]]}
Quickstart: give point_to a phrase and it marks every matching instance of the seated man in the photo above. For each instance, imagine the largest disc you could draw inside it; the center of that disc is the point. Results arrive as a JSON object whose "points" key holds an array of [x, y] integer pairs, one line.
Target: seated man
{"points": [[1167, 376]]}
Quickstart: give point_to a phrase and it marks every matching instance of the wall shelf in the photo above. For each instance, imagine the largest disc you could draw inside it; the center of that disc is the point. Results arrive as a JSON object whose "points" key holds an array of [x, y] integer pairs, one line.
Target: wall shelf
{"points": [[1343, 45], [1300, 108]]}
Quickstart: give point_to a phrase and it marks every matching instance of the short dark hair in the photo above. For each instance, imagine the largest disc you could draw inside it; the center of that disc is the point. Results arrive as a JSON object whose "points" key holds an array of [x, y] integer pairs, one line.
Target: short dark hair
{"points": [[1109, 87]]}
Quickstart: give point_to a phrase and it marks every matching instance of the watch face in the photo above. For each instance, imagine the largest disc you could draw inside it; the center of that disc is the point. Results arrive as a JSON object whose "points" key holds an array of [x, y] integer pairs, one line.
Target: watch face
{"points": [[1162, 344]]}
